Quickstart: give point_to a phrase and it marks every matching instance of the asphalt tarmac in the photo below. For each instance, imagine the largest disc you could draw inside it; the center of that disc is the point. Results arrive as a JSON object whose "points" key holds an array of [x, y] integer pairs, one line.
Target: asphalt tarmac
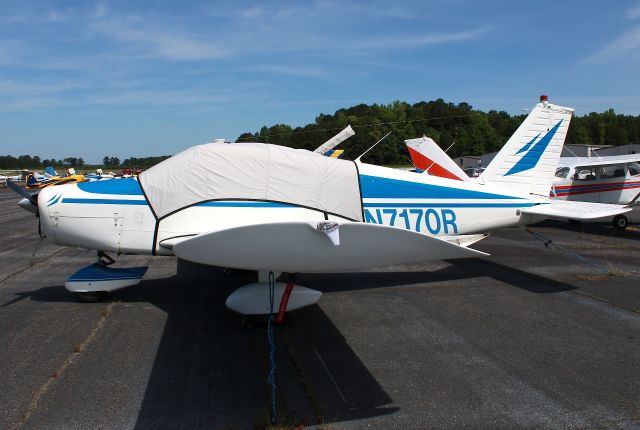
{"points": [[531, 337]]}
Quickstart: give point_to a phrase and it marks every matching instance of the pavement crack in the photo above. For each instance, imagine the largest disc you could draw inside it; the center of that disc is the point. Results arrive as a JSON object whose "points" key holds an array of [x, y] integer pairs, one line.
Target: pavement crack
{"points": [[32, 264], [304, 380], [71, 358]]}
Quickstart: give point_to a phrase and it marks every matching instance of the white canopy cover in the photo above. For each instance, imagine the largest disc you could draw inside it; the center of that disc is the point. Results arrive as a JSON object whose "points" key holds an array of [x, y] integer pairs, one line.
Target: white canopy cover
{"points": [[253, 171]]}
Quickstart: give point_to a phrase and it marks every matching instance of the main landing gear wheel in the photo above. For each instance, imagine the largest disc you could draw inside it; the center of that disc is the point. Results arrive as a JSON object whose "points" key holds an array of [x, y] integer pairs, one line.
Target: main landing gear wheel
{"points": [[620, 222], [90, 296]]}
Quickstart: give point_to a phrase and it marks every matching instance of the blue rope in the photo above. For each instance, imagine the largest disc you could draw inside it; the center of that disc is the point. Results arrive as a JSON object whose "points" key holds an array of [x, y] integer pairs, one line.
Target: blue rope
{"points": [[271, 379]]}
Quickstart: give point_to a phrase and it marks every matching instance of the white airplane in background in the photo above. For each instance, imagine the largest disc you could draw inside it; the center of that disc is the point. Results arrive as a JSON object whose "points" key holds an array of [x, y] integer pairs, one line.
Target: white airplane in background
{"points": [[608, 179], [271, 208]]}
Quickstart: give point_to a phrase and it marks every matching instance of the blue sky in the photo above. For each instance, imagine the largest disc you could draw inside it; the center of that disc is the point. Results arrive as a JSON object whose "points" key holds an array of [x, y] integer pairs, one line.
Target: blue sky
{"points": [[88, 79]]}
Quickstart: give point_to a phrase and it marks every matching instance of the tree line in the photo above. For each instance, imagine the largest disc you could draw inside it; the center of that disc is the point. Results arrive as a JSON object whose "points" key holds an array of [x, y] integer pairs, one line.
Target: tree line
{"points": [[470, 131], [28, 162]]}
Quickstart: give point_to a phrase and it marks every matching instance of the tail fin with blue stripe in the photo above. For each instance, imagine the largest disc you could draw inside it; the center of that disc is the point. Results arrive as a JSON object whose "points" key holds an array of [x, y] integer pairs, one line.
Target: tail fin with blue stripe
{"points": [[528, 161]]}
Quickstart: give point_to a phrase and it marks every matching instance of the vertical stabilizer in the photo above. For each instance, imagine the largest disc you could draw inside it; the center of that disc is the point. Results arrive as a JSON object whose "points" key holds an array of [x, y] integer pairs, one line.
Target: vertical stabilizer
{"points": [[528, 161], [49, 172], [428, 157]]}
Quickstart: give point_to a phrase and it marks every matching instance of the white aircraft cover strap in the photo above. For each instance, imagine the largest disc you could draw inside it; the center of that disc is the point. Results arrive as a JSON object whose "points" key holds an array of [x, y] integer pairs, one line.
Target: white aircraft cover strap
{"points": [[301, 247], [253, 171], [576, 210]]}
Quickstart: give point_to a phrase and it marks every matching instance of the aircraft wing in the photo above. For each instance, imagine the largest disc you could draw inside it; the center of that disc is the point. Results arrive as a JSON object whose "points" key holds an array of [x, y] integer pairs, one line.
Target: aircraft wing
{"points": [[308, 247], [576, 210]]}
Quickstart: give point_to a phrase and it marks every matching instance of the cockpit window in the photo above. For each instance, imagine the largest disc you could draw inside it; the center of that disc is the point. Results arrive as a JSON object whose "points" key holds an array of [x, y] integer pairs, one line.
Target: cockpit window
{"points": [[585, 173], [562, 172], [634, 169], [611, 171]]}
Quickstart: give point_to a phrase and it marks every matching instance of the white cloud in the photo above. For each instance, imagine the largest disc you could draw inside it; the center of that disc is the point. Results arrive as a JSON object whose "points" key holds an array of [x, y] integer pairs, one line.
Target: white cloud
{"points": [[409, 40], [23, 88], [626, 44], [254, 12], [291, 70], [56, 16], [160, 42], [11, 51], [633, 12], [99, 10]]}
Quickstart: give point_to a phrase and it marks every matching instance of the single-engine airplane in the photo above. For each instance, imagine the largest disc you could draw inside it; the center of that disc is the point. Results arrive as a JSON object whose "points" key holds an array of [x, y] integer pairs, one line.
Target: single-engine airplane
{"points": [[275, 209]]}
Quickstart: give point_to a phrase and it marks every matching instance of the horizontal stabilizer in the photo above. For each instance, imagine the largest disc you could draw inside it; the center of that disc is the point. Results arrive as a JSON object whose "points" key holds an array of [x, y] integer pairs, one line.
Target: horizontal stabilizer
{"points": [[576, 210], [305, 247]]}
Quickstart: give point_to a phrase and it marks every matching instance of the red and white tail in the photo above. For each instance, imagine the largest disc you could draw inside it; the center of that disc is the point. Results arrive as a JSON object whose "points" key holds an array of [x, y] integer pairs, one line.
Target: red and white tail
{"points": [[428, 157]]}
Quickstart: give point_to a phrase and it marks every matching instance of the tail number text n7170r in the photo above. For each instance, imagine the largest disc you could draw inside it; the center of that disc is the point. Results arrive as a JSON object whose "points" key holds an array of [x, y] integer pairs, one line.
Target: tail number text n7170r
{"points": [[419, 220]]}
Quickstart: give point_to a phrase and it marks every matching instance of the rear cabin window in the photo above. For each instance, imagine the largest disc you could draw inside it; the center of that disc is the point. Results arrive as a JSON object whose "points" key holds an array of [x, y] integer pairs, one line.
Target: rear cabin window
{"points": [[562, 172], [611, 171], [634, 169], [585, 173]]}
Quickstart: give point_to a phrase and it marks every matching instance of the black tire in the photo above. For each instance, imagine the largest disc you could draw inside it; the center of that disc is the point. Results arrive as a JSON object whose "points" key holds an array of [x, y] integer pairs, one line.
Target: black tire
{"points": [[91, 296], [620, 222], [574, 221]]}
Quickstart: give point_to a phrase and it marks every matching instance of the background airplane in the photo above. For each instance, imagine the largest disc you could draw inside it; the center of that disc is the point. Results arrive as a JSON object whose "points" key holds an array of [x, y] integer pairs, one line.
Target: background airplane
{"points": [[327, 148], [610, 179], [429, 158]]}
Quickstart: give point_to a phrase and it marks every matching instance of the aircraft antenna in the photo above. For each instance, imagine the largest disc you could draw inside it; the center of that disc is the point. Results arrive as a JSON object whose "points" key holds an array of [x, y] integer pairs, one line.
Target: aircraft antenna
{"points": [[595, 151], [357, 160], [572, 153]]}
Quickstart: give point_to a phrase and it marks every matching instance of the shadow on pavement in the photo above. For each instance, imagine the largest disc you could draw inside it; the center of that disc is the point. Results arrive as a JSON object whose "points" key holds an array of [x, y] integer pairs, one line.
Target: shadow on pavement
{"points": [[600, 228], [210, 372]]}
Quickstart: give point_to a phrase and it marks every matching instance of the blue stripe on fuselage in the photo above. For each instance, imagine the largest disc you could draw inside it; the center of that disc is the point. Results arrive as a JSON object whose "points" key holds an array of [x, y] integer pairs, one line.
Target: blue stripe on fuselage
{"points": [[123, 186], [104, 201], [448, 205], [375, 187], [226, 204]]}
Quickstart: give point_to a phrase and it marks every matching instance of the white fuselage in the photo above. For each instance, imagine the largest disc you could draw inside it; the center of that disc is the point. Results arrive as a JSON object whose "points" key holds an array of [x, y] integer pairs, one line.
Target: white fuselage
{"points": [[115, 216]]}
